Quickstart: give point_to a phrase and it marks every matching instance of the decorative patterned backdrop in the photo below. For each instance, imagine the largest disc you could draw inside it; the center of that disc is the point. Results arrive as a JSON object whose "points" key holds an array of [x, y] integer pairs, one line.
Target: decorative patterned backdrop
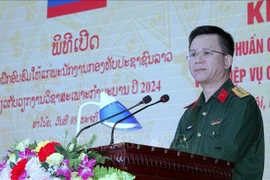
{"points": [[134, 48]]}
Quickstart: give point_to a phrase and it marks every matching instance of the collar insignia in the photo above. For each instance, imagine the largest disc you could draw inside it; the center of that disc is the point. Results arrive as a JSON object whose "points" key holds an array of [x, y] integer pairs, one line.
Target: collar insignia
{"points": [[222, 96]]}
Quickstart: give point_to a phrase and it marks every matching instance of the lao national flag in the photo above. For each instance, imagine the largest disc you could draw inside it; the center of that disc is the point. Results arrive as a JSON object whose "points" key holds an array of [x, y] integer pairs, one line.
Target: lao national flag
{"points": [[64, 7]]}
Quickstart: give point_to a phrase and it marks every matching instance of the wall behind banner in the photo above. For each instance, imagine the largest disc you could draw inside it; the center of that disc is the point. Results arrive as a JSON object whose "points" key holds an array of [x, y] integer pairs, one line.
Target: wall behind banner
{"points": [[137, 48]]}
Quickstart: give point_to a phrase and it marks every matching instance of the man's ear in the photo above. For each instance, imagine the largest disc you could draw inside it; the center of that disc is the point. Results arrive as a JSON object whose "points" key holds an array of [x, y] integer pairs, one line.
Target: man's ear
{"points": [[228, 61]]}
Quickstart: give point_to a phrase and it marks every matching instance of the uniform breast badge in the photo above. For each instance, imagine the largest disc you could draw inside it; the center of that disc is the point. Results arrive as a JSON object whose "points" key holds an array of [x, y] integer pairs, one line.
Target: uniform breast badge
{"points": [[216, 121]]}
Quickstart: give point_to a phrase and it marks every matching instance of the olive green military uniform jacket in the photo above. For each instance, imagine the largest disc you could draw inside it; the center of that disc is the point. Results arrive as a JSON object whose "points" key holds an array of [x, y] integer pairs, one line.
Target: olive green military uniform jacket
{"points": [[228, 126]]}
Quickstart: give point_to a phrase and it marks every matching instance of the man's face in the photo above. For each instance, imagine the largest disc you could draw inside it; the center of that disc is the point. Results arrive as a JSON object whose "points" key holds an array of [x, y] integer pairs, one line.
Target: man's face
{"points": [[207, 66]]}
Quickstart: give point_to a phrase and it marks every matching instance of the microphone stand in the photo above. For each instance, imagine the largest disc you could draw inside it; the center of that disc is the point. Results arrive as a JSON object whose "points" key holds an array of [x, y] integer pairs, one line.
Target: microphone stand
{"points": [[112, 133], [86, 127], [145, 100]]}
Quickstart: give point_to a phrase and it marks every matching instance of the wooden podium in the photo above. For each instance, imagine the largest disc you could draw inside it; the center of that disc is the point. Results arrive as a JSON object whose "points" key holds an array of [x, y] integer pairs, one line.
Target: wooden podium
{"points": [[154, 163]]}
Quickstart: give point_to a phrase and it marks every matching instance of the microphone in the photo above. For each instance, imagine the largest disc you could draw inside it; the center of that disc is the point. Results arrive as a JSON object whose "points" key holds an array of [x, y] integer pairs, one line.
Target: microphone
{"points": [[164, 98], [144, 100]]}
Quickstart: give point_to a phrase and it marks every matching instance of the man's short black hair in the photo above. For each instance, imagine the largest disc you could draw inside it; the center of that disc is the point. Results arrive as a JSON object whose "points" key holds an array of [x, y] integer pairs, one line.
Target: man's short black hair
{"points": [[225, 39]]}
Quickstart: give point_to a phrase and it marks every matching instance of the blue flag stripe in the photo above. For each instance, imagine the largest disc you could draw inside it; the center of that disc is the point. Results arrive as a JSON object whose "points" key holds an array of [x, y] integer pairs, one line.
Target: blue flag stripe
{"points": [[52, 3]]}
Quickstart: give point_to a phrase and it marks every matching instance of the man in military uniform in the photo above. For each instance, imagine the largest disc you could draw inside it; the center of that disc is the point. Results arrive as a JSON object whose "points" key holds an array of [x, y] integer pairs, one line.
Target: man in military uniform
{"points": [[225, 122]]}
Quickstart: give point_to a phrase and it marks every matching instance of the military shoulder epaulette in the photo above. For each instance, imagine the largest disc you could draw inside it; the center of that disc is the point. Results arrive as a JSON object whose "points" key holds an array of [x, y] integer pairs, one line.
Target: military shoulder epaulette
{"points": [[240, 92]]}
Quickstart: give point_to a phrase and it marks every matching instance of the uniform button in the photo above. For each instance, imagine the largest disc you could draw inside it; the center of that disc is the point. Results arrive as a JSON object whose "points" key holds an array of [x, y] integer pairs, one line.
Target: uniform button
{"points": [[199, 135], [204, 113], [213, 133], [185, 139]]}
